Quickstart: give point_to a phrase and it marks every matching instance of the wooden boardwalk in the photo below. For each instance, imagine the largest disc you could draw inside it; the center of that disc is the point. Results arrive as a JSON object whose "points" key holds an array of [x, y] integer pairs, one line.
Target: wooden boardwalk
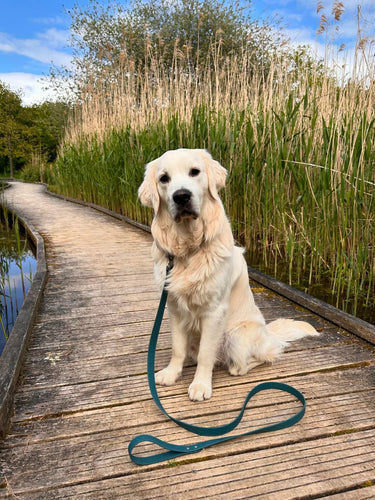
{"points": [[83, 393]]}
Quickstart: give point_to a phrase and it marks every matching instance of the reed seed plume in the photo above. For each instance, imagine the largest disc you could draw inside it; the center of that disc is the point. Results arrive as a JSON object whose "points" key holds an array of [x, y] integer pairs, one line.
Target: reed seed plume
{"points": [[337, 10]]}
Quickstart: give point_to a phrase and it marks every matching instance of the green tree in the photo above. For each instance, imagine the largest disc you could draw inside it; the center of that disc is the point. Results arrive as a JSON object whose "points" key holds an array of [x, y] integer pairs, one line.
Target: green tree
{"points": [[106, 35], [28, 131], [49, 118], [10, 107], [101, 33]]}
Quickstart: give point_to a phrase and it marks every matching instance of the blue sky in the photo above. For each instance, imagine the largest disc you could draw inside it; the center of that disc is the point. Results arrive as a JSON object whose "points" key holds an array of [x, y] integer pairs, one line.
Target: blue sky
{"points": [[34, 34]]}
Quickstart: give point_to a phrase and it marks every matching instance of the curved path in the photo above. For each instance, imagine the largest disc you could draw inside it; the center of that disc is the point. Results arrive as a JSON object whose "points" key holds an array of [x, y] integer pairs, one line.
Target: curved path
{"points": [[83, 392]]}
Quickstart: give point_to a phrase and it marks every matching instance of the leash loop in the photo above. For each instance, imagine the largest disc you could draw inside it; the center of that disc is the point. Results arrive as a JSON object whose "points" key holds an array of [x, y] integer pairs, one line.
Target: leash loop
{"points": [[174, 450]]}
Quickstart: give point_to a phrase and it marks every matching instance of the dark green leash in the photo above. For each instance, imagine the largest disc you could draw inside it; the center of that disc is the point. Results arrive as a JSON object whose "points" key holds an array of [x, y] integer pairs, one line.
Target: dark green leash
{"points": [[174, 450]]}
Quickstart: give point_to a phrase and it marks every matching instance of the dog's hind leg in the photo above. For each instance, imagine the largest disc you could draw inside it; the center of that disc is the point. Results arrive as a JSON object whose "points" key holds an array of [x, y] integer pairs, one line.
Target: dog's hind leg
{"points": [[236, 369], [249, 345]]}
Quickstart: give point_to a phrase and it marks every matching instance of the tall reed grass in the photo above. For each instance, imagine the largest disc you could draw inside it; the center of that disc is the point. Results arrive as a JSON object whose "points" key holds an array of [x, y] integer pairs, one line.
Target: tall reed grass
{"points": [[298, 144]]}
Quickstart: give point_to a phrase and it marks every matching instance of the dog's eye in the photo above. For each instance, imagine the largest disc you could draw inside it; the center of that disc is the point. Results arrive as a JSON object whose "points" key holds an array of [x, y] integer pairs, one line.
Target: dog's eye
{"points": [[194, 172], [164, 179]]}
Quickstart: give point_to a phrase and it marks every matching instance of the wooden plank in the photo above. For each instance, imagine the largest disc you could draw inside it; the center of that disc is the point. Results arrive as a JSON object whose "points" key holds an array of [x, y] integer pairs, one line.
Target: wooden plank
{"points": [[51, 372], [94, 311], [55, 301], [94, 350], [99, 286], [123, 341], [304, 468], [326, 415], [52, 340], [82, 272], [116, 317], [58, 302], [307, 469], [366, 491], [102, 320], [67, 400]]}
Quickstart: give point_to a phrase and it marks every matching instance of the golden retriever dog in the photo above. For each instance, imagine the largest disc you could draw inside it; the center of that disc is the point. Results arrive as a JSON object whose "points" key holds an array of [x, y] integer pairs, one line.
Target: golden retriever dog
{"points": [[211, 307]]}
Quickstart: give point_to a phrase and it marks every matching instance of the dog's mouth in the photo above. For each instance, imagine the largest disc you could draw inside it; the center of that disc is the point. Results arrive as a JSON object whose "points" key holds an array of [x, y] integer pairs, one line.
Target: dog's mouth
{"points": [[185, 214]]}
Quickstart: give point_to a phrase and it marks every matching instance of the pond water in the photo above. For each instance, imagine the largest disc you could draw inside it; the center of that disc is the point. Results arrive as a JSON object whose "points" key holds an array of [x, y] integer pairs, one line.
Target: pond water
{"points": [[17, 268]]}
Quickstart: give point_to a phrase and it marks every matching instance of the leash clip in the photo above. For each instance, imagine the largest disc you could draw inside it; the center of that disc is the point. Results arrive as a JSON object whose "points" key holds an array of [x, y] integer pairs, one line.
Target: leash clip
{"points": [[170, 262]]}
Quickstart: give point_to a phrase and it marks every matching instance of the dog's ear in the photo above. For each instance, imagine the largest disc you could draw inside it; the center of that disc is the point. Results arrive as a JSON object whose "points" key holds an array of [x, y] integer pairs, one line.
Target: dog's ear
{"points": [[216, 174], [148, 191]]}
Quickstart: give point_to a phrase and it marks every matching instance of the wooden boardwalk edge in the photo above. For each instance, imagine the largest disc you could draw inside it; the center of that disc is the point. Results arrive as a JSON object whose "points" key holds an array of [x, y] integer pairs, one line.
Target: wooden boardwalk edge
{"points": [[357, 326], [12, 357]]}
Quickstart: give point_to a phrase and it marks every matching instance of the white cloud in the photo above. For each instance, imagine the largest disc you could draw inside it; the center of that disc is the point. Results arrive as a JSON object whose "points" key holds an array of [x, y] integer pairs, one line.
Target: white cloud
{"points": [[50, 20], [54, 37], [345, 64], [328, 4], [302, 14], [45, 48], [48, 48], [30, 86]]}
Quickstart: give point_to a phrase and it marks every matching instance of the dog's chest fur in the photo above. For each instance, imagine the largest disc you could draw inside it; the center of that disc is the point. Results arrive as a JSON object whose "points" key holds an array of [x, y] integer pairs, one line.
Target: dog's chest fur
{"points": [[196, 281], [203, 257]]}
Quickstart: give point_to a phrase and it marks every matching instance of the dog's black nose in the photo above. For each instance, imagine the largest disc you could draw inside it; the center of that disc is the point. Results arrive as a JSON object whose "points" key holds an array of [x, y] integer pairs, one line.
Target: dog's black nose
{"points": [[182, 197]]}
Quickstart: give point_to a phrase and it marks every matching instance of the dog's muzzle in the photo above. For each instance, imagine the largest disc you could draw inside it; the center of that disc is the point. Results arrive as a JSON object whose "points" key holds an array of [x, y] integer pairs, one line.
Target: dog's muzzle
{"points": [[183, 202]]}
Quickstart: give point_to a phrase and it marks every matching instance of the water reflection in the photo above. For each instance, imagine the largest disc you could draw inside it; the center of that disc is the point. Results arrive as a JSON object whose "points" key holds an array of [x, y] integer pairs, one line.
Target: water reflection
{"points": [[17, 268]]}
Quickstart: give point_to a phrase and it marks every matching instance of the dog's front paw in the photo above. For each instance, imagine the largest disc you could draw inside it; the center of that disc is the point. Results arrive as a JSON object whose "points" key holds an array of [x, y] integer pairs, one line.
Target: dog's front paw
{"points": [[200, 391], [167, 376]]}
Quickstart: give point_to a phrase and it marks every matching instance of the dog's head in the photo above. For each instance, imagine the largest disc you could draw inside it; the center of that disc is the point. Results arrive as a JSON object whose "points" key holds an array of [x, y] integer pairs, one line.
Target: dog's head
{"points": [[181, 180]]}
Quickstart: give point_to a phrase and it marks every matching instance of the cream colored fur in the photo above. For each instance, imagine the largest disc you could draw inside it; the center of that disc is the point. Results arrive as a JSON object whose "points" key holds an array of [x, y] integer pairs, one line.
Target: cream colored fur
{"points": [[212, 310]]}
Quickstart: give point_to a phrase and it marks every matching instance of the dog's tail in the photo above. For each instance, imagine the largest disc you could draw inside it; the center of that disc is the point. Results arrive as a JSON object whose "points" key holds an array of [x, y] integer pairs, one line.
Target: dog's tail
{"points": [[251, 343], [288, 330]]}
